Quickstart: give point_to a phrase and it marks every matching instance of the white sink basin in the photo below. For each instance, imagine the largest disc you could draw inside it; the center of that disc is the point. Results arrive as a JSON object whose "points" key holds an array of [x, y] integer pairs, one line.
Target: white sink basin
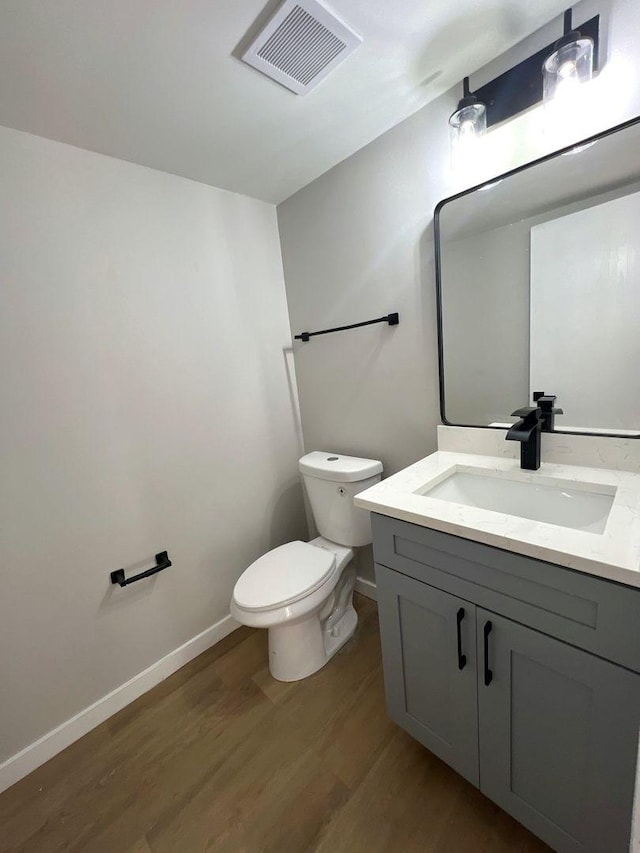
{"points": [[580, 506]]}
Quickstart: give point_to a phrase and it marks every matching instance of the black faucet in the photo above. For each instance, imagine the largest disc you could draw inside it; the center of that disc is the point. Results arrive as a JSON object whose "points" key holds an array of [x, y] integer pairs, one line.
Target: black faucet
{"points": [[527, 432], [546, 403]]}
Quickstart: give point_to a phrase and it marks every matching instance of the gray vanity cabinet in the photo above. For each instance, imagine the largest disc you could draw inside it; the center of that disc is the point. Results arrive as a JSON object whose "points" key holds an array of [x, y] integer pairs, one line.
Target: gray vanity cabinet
{"points": [[431, 685], [558, 737], [547, 730]]}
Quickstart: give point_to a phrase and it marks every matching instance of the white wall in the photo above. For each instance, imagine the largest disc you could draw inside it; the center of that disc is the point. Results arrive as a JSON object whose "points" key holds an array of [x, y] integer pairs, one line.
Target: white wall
{"points": [[358, 243], [145, 406]]}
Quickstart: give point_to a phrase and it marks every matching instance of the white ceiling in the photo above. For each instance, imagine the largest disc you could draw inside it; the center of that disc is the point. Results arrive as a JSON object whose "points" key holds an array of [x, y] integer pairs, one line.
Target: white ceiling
{"points": [[157, 82]]}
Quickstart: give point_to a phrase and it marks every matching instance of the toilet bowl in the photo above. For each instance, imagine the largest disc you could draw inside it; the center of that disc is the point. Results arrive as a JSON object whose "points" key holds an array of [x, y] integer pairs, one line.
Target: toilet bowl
{"points": [[302, 592]]}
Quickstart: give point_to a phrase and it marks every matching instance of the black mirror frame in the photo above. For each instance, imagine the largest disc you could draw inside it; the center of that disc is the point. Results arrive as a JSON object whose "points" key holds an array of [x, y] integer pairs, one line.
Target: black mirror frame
{"points": [[438, 264]]}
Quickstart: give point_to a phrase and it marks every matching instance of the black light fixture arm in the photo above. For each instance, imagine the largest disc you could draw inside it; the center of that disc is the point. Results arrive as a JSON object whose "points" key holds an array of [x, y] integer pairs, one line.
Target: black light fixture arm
{"points": [[569, 34], [467, 99], [391, 319], [568, 21], [162, 562]]}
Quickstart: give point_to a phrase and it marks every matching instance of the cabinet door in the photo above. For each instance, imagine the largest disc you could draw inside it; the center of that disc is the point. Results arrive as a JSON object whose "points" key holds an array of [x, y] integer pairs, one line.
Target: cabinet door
{"points": [[429, 658], [558, 736]]}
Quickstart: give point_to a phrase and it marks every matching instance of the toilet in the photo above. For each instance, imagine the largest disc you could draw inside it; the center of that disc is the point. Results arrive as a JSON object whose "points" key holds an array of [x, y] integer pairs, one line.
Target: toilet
{"points": [[302, 592]]}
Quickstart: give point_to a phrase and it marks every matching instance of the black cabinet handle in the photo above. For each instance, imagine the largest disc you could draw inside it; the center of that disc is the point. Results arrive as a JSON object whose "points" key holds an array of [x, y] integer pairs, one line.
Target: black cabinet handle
{"points": [[488, 674], [462, 659]]}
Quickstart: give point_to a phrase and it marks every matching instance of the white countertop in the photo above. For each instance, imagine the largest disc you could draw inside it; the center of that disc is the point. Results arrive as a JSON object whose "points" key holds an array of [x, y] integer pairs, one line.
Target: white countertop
{"points": [[613, 554]]}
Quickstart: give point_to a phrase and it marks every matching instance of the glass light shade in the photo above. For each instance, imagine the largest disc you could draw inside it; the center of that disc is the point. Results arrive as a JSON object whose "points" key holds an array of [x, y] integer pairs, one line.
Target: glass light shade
{"points": [[466, 125], [568, 67]]}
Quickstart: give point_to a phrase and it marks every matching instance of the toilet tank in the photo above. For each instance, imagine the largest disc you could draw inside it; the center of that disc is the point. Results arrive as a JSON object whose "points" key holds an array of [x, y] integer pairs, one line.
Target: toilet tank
{"points": [[332, 480]]}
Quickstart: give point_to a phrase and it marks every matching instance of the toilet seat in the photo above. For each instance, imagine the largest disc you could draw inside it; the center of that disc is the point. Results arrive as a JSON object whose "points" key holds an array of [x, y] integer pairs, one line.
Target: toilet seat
{"points": [[283, 576]]}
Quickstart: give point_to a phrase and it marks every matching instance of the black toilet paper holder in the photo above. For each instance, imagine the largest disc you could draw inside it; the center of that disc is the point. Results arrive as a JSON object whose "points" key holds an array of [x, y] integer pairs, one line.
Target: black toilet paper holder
{"points": [[162, 562]]}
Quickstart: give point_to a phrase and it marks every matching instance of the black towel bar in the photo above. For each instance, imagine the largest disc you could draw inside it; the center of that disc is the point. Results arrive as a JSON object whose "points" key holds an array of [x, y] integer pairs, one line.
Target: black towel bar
{"points": [[162, 560], [391, 319]]}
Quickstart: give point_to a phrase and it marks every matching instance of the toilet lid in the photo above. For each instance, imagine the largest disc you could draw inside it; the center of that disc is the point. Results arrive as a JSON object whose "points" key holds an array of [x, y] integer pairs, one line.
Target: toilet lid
{"points": [[283, 576]]}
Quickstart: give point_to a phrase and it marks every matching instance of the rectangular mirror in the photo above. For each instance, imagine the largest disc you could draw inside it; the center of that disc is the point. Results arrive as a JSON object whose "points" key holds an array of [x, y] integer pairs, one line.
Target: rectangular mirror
{"points": [[538, 282]]}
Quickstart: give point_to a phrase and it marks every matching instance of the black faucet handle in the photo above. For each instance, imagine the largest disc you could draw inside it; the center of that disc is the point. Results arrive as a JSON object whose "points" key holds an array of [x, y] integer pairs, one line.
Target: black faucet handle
{"points": [[546, 401]]}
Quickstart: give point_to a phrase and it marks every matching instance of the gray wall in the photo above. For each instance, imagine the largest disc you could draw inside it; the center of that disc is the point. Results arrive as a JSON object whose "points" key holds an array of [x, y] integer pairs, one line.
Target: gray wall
{"points": [[358, 243], [485, 322]]}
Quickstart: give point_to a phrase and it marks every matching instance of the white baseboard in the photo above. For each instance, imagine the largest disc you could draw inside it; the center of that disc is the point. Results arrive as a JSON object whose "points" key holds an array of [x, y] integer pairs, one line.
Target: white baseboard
{"points": [[50, 744], [367, 588]]}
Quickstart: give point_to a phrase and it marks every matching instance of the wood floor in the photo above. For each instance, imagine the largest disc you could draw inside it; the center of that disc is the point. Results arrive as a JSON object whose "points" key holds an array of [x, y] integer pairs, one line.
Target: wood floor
{"points": [[220, 757]]}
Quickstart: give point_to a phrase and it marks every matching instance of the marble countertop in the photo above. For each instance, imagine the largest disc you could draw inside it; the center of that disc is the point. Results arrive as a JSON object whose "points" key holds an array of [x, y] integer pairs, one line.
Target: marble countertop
{"points": [[613, 554]]}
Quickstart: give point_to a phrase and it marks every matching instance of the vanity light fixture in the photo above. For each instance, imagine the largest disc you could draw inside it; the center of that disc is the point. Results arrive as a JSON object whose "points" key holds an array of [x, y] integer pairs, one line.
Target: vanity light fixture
{"points": [[467, 124], [569, 66], [553, 72]]}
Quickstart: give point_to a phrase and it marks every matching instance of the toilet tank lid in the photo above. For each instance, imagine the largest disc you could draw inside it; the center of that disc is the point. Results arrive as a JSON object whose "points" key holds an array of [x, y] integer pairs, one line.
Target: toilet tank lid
{"points": [[337, 467]]}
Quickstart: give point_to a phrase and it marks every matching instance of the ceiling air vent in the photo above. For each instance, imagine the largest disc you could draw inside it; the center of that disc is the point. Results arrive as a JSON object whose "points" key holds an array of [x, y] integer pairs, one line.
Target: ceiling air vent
{"points": [[301, 44]]}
